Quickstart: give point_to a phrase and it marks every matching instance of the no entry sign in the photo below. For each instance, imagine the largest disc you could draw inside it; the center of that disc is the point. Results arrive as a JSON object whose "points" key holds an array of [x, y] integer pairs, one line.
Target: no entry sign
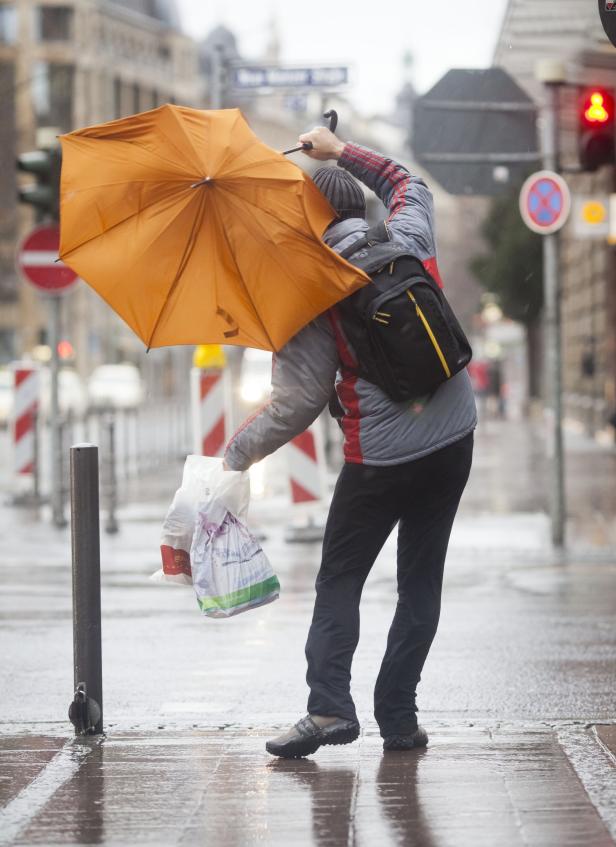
{"points": [[545, 202], [37, 261]]}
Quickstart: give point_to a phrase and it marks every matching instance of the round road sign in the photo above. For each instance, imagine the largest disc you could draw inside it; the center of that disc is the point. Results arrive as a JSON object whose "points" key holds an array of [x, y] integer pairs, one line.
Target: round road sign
{"points": [[545, 202], [594, 212], [37, 261]]}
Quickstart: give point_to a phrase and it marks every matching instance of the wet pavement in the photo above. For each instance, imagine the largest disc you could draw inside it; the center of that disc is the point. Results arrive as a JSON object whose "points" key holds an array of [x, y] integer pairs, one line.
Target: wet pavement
{"points": [[470, 787], [517, 694]]}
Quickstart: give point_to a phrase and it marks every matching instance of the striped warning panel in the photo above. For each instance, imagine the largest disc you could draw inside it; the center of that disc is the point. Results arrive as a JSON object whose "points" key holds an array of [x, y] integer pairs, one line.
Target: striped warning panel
{"points": [[306, 471], [25, 408], [209, 400]]}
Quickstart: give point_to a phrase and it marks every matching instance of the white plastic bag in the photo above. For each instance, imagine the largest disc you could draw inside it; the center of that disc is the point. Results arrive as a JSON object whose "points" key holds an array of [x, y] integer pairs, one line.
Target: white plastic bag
{"points": [[205, 541], [230, 571], [201, 475]]}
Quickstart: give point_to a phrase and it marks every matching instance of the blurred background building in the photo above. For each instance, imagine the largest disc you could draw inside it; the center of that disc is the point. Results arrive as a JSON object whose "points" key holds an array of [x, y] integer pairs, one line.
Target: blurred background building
{"points": [[68, 64], [62, 66], [571, 31]]}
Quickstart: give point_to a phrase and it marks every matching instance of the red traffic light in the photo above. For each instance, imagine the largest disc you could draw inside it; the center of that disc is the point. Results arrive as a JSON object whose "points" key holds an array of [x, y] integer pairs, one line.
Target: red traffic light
{"points": [[65, 349], [597, 108], [596, 140]]}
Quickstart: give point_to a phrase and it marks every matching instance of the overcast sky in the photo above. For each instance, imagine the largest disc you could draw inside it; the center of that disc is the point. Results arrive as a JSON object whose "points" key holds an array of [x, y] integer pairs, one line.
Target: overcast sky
{"points": [[371, 37]]}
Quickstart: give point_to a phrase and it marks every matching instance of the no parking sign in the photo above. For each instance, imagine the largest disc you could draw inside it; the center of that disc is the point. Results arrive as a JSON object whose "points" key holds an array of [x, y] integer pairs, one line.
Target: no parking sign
{"points": [[545, 202]]}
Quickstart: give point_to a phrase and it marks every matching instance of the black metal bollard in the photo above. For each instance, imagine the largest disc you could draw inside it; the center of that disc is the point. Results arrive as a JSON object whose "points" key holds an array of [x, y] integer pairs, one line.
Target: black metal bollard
{"points": [[86, 711]]}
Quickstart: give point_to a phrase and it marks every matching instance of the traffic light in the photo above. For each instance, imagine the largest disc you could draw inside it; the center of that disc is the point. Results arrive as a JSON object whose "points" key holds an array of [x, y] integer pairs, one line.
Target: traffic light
{"points": [[596, 129], [44, 193]]}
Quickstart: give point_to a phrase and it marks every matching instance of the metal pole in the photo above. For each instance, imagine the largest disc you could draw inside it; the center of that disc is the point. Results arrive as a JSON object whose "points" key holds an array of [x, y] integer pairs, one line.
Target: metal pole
{"points": [[111, 524], [87, 706], [36, 468], [57, 498], [216, 92], [553, 358]]}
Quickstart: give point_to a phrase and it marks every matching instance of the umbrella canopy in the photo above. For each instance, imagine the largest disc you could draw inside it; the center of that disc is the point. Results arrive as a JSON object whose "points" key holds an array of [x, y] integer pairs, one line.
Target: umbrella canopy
{"points": [[195, 232]]}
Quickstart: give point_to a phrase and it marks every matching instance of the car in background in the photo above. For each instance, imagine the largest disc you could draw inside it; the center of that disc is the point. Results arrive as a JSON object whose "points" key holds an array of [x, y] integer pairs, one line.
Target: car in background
{"points": [[116, 387], [256, 379], [72, 397], [6, 396]]}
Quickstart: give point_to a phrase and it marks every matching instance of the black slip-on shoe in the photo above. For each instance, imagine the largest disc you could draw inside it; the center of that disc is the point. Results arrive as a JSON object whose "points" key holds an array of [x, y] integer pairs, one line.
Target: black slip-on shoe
{"points": [[419, 738], [307, 736]]}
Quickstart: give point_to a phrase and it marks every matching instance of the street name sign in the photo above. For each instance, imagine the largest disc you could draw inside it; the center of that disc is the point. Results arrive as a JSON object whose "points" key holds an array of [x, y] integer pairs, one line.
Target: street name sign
{"points": [[37, 261], [254, 77], [475, 132], [545, 202]]}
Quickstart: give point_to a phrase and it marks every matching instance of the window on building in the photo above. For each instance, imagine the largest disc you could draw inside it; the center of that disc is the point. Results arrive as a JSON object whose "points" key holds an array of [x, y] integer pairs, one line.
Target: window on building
{"points": [[55, 23], [136, 98], [8, 25], [117, 97], [52, 94]]}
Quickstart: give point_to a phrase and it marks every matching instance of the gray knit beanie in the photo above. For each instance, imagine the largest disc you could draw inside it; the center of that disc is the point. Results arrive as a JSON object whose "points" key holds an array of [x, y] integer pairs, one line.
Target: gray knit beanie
{"points": [[342, 191]]}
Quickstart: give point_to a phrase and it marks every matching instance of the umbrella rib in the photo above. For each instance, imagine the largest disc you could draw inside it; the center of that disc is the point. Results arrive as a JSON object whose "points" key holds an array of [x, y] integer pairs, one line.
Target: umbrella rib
{"points": [[183, 179], [147, 150], [118, 223], [231, 154], [296, 232], [186, 136], [190, 243], [243, 168], [240, 277]]}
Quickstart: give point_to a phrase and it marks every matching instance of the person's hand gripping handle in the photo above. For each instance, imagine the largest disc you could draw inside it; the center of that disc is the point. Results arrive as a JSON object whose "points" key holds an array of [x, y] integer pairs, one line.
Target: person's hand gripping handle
{"points": [[321, 143]]}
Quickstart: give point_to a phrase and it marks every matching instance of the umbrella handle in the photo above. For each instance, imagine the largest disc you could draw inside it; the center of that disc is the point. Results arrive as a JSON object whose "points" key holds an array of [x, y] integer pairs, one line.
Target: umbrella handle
{"points": [[333, 119]]}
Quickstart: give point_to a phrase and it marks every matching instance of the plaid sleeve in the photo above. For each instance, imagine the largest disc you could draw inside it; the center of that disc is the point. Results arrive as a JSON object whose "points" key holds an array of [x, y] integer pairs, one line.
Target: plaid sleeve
{"points": [[407, 198], [386, 178]]}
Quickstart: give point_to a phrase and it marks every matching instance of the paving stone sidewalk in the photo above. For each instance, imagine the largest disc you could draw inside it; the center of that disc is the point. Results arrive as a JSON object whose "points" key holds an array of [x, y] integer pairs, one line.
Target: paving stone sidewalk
{"points": [[471, 786]]}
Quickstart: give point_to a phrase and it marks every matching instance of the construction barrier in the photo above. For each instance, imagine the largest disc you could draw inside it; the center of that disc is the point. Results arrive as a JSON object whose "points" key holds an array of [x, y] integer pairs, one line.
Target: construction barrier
{"points": [[26, 397], [210, 401], [307, 484]]}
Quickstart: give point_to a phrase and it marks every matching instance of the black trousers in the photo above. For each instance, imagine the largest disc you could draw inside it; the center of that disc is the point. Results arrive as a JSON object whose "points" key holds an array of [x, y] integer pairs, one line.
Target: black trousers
{"points": [[423, 496]]}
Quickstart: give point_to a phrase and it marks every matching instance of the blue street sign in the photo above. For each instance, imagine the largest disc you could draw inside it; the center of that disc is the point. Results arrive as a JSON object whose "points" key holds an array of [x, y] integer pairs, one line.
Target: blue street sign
{"points": [[252, 77]]}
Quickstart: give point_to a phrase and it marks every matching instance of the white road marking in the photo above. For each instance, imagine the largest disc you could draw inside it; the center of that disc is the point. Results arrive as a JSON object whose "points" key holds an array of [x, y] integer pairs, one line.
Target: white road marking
{"points": [[16, 816]]}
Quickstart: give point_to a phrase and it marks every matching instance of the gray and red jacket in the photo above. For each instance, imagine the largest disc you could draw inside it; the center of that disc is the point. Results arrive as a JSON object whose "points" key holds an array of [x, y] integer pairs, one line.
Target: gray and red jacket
{"points": [[377, 430]]}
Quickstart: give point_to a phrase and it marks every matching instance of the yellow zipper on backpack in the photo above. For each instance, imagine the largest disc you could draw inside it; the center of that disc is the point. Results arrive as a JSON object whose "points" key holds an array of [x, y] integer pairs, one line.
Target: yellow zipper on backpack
{"points": [[430, 334]]}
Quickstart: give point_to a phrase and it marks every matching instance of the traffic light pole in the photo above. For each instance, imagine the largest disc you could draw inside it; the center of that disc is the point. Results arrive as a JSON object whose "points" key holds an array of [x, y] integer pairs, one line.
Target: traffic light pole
{"points": [[552, 312]]}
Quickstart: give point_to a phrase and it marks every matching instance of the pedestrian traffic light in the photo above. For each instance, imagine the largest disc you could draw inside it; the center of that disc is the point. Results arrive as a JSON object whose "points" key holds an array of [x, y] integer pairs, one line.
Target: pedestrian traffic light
{"points": [[596, 129], [44, 193]]}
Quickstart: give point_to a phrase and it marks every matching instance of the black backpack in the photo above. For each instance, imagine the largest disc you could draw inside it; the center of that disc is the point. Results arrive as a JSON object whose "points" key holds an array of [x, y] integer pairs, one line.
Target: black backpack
{"points": [[405, 335]]}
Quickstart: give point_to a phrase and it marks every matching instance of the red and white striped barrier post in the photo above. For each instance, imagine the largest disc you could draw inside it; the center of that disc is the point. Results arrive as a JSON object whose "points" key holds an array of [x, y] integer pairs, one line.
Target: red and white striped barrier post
{"points": [[210, 401], [308, 484], [26, 396]]}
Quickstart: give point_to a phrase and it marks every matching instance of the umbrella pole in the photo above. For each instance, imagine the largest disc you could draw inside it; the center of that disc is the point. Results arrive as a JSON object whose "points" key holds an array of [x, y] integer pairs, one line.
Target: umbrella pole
{"points": [[307, 145]]}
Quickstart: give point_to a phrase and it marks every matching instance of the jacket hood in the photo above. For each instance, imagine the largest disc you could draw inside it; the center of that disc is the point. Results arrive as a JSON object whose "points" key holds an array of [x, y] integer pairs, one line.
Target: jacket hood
{"points": [[343, 233]]}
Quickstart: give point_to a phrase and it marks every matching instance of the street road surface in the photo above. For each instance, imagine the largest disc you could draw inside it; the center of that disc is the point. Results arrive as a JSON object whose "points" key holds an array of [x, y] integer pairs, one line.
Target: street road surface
{"points": [[517, 693]]}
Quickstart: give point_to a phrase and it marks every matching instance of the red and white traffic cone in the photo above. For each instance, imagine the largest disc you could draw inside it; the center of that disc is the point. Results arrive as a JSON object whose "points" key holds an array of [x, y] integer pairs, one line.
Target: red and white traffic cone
{"points": [[308, 485], [210, 400], [26, 398]]}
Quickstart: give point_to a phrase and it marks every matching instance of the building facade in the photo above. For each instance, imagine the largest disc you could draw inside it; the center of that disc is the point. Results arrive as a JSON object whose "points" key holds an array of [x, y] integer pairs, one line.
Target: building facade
{"points": [[66, 65], [570, 30]]}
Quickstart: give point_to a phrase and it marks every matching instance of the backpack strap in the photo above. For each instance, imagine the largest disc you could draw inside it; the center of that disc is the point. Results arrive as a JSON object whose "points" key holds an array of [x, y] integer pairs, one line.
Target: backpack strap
{"points": [[377, 234]]}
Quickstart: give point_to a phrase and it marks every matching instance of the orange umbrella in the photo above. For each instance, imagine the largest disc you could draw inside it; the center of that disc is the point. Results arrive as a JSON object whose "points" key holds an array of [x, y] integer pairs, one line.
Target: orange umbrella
{"points": [[196, 232]]}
